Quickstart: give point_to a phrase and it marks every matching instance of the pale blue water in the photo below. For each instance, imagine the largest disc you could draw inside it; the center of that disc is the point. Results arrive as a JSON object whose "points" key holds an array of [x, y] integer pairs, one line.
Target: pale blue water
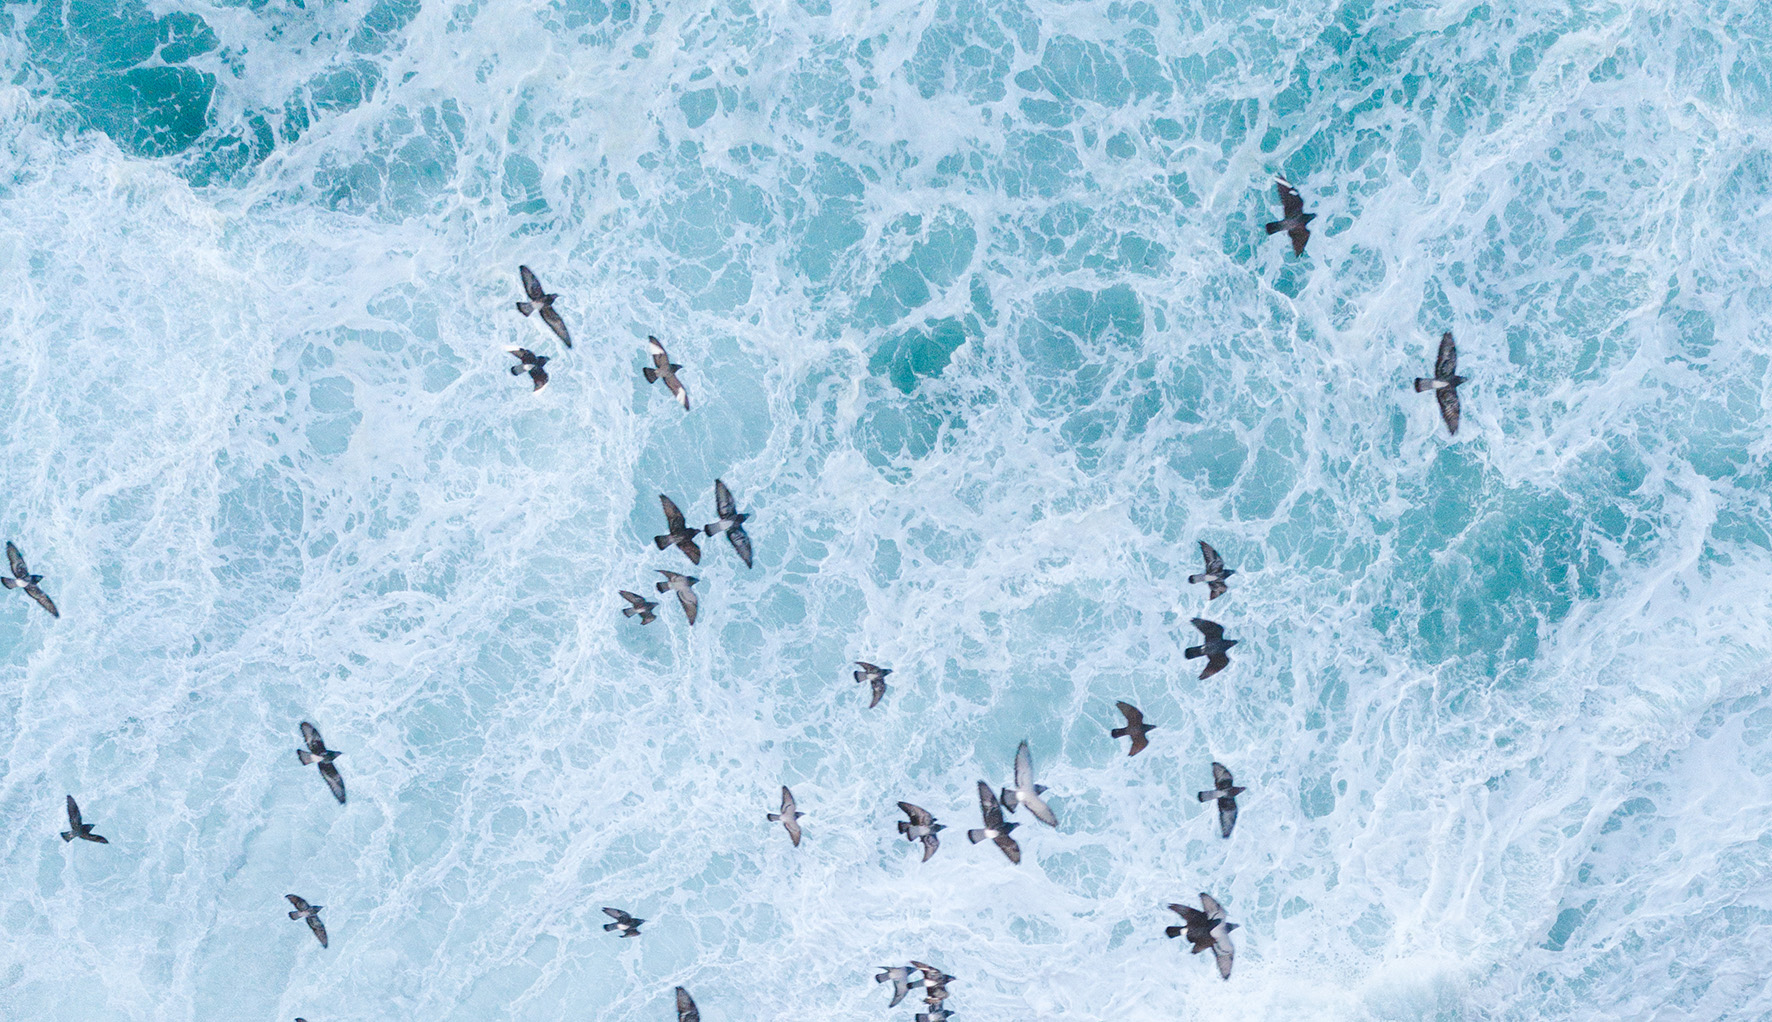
{"points": [[982, 327]]}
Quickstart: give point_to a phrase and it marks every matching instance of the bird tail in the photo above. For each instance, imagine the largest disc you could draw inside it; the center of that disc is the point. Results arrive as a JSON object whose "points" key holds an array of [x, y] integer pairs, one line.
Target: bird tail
{"points": [[651, 374], [904, 828], [1193, 651], [1120, 732], [1208, 795], [630, 611], [1421, 384], [662, 541], [976, 835], [1276, 227], [663, 587], [293, 914], [611, 926], [1191, 579], [774, 817], [1172, 931], [67, 835], [526, 308], [306, 757], [517, 370]]}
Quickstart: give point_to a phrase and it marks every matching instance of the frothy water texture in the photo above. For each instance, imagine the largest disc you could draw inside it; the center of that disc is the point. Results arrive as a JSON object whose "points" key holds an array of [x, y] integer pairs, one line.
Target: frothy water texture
{"points": [[983, 329]]}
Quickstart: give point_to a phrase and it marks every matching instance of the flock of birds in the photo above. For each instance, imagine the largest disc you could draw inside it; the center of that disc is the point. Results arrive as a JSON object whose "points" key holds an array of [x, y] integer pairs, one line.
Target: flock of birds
{"points": [[1205, 928]]}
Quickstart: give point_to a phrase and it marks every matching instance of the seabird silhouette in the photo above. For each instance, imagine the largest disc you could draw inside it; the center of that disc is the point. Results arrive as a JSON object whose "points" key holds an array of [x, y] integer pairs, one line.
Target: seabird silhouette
{"points": [[77, 829], [1026, 792], [680, 535], [626, 924], [1226, 792], [1207, 930], [1214, 649], [23, 579], [1445, 382], [921, 827], [731, 522], [789, 817], [638, 605], [935, 983], [317, 752], [311, 913], [662, 368], [1135, 727], [1292, 204], [680, 584], [994, 827], [901, 981], [542, 302], [1215, 572], [686, 1007], [875, 677], [528, 361]]}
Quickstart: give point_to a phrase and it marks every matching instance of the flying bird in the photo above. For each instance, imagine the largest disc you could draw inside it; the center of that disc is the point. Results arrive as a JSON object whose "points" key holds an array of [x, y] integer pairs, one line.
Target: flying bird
{"points": [[1135, 727], [789, 817], [638, 605], [542, 302], [920, 827], [626, 924], [935, 983], [901, 981], [994, 827], [1294, 225], [1026, 792], [317, 752], [311, 913], [79, 829], [1215, 572], [23, 579], [1207, 930], [875, 677], [1225, 791], [686, 1007], [1444, 383], [731, 522], [528, 361], [1215, 649], [662, 368], [680, 535], [681, 585]]}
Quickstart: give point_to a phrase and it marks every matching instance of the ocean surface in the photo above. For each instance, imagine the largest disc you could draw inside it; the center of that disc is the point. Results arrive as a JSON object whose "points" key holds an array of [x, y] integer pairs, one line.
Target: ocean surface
{"points": [[981, 325]]}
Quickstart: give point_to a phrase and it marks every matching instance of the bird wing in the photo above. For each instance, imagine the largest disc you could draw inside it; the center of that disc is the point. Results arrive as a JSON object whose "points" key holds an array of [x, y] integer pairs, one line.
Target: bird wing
{"points": [[1216, 589], [1133, 717], [690, 549], [1290, 200], [73, 814], [1010, 848], [552, 319], [1448, 398], [686, 596], [1221, 776], [311, 736], [16, 562], [43, 600], [531, 286], [1213, 909], [673, 516], [900, 987], [788, 806], [1227, 815], [1446, 364], [334, 781], [1024, 768], [1214, 663], [865, 668], [919, 816], [1214, 563], [741, 542], [879, 687], [681, 392], [634, 600], [300, 903], [1190, 914], [987, 804], [617, 914], [793, 826], [686, 1007], [319, 929], [930, 844], [723, 502], [1042, 812], [659, 357], [1210, 629], [1222, 950], [1299, 236], [523, 355], [539, 376]]}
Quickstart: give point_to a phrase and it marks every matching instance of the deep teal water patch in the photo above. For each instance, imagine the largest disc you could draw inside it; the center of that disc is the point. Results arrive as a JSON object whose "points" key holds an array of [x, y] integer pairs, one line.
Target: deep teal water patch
{"points": [[920, 354]]}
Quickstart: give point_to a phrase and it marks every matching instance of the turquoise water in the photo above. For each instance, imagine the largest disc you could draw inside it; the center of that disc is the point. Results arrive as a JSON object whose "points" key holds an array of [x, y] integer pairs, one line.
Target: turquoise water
{"points": [[982, 327]]}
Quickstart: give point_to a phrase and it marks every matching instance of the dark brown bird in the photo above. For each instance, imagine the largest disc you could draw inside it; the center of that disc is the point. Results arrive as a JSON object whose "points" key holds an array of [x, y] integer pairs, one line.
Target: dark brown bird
{"points": [[731, 522], [1135, 727], [1207, 930], [1215, 649], [626, 925], [1445, 382], [920, 827], [994, 827], [789, 817], [528, 361], [79, 829], [681, 585], [680, 535], [662, 368], [686, 1007], [1225, 791], [542, 302], [1292, 204], [317, 752], [311, 913], [638, 604], [875, 678], [1215, 572], [900, 977], [23, 579]]}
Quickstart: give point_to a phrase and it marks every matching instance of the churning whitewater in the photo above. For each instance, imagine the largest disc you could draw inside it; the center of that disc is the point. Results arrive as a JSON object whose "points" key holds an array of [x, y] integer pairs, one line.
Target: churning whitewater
{"points": [[972, 311]]}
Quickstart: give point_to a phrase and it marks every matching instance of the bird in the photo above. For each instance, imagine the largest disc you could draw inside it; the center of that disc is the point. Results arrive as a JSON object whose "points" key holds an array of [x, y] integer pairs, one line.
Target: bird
{"points": [[627, 924], [1225, 791], [994, 827], [681, 584], [935, 1015], [680, 535], [311, 913], [935, 983], [639, 605], [789, 816], [874, 676], [902, 982], [1444, 383], [662, 368], [920, 827], [78, 829], [1215, 572], [1135, 727], [317, 752], [529, 361], [1207, 930], [1026, 792], [1294, 225], [686, 1007], [23, 579], [1215, 649], [542, 302], [731, 522]]}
